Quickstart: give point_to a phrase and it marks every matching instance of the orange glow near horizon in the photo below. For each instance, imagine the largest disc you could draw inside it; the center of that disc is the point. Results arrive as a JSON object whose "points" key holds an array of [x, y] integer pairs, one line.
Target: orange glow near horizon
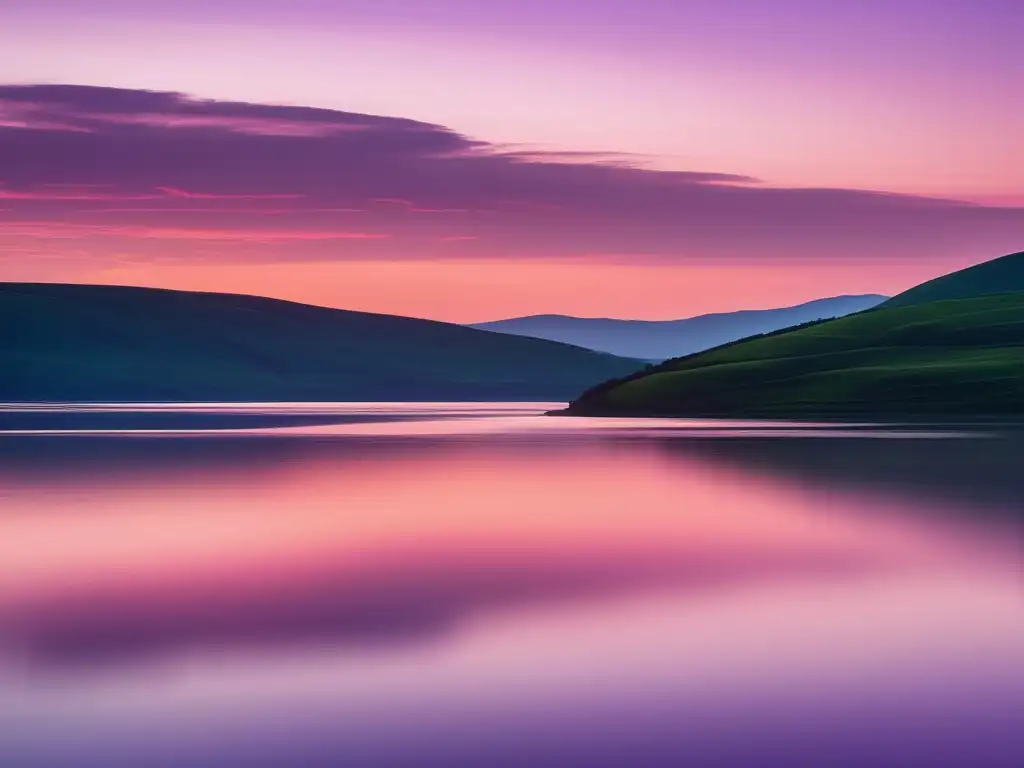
{"points": [[464, 292]]}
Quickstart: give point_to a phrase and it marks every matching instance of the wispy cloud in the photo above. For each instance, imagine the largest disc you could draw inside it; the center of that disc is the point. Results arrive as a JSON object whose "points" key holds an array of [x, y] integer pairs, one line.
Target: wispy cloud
{"points": [[175, 192], [74, 150], [66, 230]]}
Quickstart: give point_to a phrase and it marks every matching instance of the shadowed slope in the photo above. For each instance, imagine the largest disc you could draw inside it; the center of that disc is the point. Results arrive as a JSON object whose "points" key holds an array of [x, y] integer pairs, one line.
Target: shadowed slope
{"points": [[106, 343]]}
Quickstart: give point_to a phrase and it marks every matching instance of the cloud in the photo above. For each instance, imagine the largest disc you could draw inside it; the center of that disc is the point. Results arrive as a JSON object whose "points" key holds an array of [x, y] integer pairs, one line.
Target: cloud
{"points": [[96, 192], [78, 193], [174, 192], [67, 150], [90, 107], [64, 230]]}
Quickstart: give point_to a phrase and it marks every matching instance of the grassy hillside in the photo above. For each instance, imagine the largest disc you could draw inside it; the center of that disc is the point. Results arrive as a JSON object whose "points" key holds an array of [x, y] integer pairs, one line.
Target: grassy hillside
{"points": [[952, 358], [103, 343], [1003, 275]]}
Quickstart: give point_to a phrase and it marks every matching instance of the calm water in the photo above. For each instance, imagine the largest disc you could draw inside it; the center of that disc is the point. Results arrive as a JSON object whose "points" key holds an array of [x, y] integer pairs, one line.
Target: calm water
{"points": [[478, 585]]}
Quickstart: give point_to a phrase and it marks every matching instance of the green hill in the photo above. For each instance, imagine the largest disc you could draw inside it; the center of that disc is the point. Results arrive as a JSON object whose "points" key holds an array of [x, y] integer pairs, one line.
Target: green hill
{"points": [[103, 343], [1003, 275], [951, 357]]}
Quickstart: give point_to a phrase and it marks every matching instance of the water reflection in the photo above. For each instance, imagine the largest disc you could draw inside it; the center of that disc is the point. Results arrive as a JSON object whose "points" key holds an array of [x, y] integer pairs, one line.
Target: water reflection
{"points": [[985, 474], [474, 586]]}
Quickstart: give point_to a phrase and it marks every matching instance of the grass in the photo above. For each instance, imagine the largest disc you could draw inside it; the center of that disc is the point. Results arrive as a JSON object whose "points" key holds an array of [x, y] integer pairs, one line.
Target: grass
{"points": [[959, 357]]}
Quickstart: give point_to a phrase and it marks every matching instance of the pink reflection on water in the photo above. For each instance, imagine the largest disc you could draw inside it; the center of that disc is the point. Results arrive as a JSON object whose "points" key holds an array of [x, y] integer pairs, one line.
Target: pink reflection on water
{"points": [[443, 529], [491, 580]]}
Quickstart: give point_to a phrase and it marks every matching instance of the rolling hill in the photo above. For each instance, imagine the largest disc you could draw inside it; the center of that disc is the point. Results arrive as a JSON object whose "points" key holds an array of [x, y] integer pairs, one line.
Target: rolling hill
{"points": [[661, 339], [1001, 275], [951, 348], [107, 343]]}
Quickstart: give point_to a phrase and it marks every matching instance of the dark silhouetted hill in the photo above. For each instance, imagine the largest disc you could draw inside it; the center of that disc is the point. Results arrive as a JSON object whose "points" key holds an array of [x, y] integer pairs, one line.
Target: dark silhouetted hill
{"points": [[105, 343]]}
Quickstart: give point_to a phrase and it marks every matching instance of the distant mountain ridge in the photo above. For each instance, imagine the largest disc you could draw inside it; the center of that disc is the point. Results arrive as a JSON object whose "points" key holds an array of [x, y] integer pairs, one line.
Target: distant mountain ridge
{"points": [[65, 342], [662, 339]]}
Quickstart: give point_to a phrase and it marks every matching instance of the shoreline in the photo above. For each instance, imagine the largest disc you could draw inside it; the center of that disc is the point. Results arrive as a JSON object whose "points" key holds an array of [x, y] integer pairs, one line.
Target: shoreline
{"points": [[888, 419]]}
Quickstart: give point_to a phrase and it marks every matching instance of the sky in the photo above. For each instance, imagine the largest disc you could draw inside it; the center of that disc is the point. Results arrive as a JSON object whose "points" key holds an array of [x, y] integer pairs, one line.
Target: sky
{"points": [[468, 160]]}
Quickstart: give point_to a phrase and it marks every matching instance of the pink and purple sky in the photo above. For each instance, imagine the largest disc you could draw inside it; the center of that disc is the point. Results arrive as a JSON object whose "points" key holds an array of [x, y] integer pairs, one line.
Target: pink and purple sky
{"points": [[468, 160]]}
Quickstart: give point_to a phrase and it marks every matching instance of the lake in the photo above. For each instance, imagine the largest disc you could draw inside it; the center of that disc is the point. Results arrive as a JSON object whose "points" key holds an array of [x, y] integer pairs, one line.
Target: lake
{"points": [[481, 585]]}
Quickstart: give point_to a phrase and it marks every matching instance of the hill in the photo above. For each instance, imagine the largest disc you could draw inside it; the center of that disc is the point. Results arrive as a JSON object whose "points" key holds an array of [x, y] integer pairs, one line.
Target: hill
{"points": [[108, 343], [949, 358], [1002, 275], [661, 339]]}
